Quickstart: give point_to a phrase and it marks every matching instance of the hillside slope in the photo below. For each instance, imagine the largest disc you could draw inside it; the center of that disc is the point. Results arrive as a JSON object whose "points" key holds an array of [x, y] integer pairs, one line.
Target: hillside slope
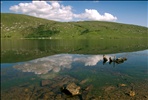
{"points": [[23, 26]]}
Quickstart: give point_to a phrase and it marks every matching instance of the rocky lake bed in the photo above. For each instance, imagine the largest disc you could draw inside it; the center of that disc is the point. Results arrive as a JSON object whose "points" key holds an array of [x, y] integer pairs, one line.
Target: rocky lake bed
{"points": [[51, 89]]}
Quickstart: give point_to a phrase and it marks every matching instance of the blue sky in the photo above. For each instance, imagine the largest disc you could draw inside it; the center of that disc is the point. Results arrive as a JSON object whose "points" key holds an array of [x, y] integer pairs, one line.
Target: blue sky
{"points": [[128, 12]]}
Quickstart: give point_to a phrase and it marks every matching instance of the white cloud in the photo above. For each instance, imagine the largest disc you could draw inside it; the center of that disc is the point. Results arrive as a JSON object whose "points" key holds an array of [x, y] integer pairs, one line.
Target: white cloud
{"points": [[42, 9], [53, 10], [92, 14]]}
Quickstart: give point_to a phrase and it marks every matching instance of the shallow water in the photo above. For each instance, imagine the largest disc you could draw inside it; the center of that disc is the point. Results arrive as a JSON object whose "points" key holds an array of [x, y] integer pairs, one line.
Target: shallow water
{"points": [[107, 80]]}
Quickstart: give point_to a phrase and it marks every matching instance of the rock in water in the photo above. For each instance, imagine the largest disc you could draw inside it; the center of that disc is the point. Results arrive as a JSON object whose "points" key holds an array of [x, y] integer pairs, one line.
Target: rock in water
{"points": [[132, 93], [104, 58], [45, 82], [71, 89], [122, 85]]}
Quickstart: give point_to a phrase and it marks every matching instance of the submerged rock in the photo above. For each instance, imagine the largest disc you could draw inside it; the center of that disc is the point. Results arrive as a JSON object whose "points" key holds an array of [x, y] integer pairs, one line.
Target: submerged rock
{"points": [[132, 93], [122, 85], [109, 88], [83, 81], [45, 82], [71, 89]]}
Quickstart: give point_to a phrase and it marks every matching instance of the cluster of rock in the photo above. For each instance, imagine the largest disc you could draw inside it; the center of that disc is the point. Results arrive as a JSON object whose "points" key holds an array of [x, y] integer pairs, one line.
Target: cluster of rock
{"points": [[68, 87], [58, 88], [118, 60]]}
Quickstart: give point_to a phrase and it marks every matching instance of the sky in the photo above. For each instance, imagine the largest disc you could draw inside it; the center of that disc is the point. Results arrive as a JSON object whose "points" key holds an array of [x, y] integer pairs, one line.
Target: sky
{"points": [[128, 12]]}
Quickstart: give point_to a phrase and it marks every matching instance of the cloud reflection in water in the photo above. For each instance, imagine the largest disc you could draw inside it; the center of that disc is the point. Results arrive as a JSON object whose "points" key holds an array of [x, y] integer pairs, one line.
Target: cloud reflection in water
{"points": [[57, 63]]}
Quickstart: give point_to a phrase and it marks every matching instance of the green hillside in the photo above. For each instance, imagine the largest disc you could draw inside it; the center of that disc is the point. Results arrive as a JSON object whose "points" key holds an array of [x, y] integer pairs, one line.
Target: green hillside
{"points": [[23, 26]]}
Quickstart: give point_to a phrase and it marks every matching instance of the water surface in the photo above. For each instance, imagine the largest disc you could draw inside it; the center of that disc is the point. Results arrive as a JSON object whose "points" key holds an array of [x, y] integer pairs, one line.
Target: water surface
{"points": [[103, 80], [24, 50]]}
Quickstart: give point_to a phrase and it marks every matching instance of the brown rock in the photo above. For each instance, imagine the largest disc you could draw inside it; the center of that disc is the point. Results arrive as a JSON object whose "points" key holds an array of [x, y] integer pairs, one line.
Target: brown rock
{"points": [[122, 85], [109, 88], [45, 82], [89, 87], [83, 81], [59, 96], [26, 90], [71, 89], [132, 93]]}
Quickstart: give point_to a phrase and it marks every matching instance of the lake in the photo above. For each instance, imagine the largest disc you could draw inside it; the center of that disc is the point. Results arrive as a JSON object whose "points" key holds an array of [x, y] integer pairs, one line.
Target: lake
{"points": [[39, 69]]}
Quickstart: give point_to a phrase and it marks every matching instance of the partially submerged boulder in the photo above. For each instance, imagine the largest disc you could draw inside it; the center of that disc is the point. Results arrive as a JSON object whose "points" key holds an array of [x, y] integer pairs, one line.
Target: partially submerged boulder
{"points": [[105, 58], [118, 60], [71, 89]]}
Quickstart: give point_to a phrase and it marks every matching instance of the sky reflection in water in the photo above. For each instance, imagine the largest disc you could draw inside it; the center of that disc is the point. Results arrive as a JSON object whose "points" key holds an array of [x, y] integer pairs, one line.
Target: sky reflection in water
{"points": [[59, 62]]}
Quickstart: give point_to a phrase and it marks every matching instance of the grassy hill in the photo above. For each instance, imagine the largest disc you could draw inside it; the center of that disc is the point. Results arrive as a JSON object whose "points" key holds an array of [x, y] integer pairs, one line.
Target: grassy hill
{"points": [[23, 26]]}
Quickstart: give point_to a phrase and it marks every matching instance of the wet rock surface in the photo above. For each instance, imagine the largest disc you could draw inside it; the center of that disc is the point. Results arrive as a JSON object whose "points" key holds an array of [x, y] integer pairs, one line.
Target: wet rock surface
{"points": [[71, 89]]}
